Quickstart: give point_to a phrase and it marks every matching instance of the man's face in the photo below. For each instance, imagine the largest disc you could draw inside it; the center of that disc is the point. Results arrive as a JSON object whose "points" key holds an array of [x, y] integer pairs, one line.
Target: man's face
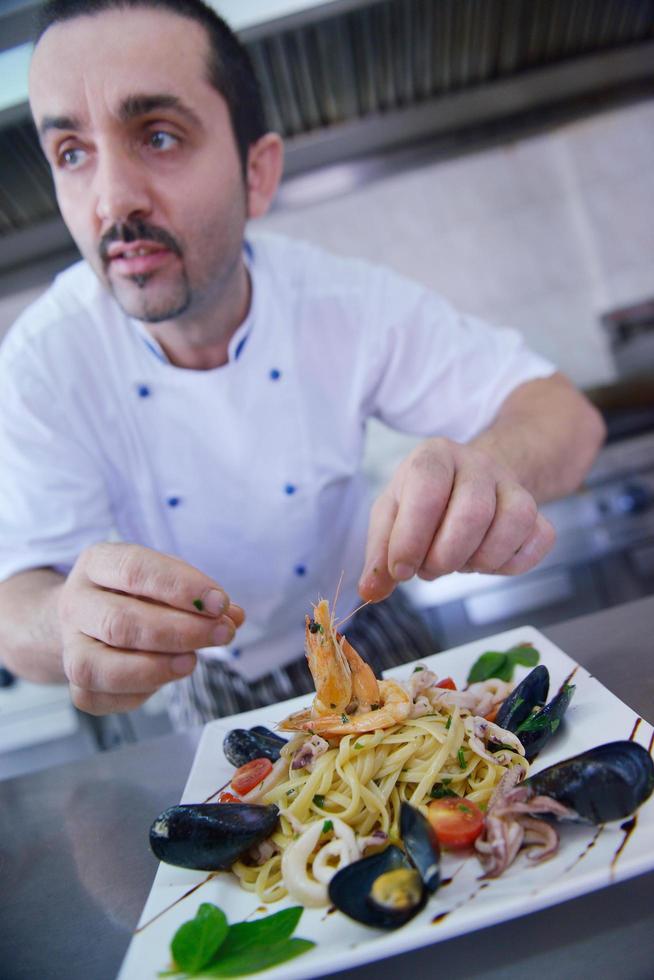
{"points": [[144, 159]]}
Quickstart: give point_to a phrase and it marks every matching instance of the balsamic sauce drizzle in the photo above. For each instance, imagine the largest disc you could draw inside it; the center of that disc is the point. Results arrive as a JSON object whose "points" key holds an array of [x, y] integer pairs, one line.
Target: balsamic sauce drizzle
{"points": [[632, 737], [591, 843], [176, 902], [628, 828], [455, 908]]}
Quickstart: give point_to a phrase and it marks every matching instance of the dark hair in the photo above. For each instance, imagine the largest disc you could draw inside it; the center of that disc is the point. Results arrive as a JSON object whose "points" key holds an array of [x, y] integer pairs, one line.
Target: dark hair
{"points": [[230, 70]]}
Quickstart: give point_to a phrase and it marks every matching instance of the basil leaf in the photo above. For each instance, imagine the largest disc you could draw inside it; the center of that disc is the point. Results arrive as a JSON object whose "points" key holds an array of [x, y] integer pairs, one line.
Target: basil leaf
{"points": [[505, 671], [486, 666], [196, 942], [246, 961], [268, 931], [501, 665], [524, 654]]}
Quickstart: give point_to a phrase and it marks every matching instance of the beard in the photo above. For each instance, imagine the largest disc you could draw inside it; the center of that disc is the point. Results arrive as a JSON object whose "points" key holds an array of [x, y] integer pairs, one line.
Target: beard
{"points": [[149, 297]]}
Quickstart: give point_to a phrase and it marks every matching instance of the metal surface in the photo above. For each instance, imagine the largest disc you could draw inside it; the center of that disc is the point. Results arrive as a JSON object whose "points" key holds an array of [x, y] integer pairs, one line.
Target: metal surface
{"points": [[75, 868]]}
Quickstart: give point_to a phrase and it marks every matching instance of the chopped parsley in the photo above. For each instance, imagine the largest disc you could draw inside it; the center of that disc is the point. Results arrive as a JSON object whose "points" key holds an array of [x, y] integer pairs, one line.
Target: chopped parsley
{"points": [[448, 723], [327, 826], [416, 669], [460, 756], [344, 719], [439, 792], [358, 745], [199, 605], [319, 800]]}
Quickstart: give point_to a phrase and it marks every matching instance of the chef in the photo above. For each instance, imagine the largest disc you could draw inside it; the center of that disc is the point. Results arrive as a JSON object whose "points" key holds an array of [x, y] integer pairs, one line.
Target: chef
{"points": [[183, 412]]}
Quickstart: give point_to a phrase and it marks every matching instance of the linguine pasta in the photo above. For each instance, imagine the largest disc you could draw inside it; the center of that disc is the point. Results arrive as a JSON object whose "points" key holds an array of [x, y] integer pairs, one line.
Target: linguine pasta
{"points": [[349, 797]]}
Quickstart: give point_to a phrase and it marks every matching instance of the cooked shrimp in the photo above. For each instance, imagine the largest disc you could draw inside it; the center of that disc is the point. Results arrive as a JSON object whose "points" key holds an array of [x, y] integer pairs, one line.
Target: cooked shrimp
{"points": [[328, 664], [341, 677], [392, 708]]}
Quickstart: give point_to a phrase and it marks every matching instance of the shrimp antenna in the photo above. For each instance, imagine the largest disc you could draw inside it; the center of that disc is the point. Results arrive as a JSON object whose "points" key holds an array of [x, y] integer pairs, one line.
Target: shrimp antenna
{"points": [[338, 589], [354, 611]]}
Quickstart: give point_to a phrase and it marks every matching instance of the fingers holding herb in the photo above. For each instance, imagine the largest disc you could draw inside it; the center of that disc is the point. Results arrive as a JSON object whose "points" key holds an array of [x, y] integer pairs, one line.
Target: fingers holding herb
{"points": [[139, 571], [130, 621]]}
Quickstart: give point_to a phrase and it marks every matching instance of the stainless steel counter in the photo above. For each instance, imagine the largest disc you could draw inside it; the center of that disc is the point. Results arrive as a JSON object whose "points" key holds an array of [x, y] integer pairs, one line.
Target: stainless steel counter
{"points": [[75, 868]]}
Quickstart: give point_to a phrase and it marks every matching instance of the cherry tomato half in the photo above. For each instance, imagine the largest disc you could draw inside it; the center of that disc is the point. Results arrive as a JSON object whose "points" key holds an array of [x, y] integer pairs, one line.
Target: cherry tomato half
{"points": [[447, 683], [250, 775], [226, 797], [456, 821]]}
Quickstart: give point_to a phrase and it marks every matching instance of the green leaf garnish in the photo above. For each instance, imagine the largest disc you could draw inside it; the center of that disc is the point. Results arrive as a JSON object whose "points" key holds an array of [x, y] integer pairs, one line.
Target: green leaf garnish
{"points": [[327, 826], [501, 665], [319, 800], [237, 950], [486, 666], [461, 758], [448, 723], [358, 745], [524, 654], [196, 942], [199, 605], [416, 669], [260, 958], [344, 719]]}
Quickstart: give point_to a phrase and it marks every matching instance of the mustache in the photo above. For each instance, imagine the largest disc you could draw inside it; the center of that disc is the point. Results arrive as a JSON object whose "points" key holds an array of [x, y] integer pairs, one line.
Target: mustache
{"points": [[137, 230]]}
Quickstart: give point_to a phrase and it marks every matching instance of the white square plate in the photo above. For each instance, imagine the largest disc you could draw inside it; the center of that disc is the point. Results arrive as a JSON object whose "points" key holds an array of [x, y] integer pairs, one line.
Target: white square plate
{"points": [[589, 857]]}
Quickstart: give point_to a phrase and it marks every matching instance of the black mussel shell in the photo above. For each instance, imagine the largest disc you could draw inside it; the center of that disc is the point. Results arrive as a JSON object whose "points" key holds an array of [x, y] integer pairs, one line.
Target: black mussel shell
{"points": [[242, 745], [266, 732], [539, 727], [608, 782], [210, 836], [529, 694], [350, 890], [421, 845]]}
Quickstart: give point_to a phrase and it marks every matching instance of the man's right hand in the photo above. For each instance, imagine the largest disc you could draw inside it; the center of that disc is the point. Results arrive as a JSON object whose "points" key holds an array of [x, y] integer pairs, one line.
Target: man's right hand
{"points": [[131, 619]]}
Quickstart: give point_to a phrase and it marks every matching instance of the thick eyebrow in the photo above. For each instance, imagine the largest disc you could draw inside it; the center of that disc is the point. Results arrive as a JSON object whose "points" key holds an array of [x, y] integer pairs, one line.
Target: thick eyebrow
{"points": [[130, 108], [139, 105], [58, 122]]}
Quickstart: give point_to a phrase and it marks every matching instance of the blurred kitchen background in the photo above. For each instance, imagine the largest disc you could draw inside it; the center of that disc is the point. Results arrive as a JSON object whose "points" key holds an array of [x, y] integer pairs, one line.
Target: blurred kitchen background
{"points": [[499, 151]]}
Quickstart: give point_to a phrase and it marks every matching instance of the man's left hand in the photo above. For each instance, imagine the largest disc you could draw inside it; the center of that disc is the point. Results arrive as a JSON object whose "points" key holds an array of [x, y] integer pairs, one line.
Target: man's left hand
{"points": [[451, 508]]}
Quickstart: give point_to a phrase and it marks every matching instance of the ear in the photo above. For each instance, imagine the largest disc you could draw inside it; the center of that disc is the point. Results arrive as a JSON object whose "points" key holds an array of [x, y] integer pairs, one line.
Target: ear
{"points": [[264, 172]]}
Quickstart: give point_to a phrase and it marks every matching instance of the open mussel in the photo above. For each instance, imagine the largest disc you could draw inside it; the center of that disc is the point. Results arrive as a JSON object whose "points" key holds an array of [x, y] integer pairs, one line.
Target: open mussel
{"points": [[525, 713], [609, 782], [210, 836], [528, 695], [242, 745], [387, 889], [421, 845]]}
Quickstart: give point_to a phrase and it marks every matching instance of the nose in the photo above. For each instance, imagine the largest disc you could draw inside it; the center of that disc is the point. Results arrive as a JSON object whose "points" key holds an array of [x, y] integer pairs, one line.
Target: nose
{"points": [[121, 187]]}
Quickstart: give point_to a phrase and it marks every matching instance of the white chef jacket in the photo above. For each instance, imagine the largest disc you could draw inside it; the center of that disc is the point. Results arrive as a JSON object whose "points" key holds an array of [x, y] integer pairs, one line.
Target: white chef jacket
{"points": [[249, 471]]}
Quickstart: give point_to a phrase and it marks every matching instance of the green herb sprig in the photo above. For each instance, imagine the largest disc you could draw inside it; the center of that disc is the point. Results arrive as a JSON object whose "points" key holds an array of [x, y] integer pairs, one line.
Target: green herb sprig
{"points": [[207, 946], [501, 665]]}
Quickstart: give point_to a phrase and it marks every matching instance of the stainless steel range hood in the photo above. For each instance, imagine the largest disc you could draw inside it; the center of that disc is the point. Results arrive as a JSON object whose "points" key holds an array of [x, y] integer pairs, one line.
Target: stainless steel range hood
{"points": [[348, 78]]}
